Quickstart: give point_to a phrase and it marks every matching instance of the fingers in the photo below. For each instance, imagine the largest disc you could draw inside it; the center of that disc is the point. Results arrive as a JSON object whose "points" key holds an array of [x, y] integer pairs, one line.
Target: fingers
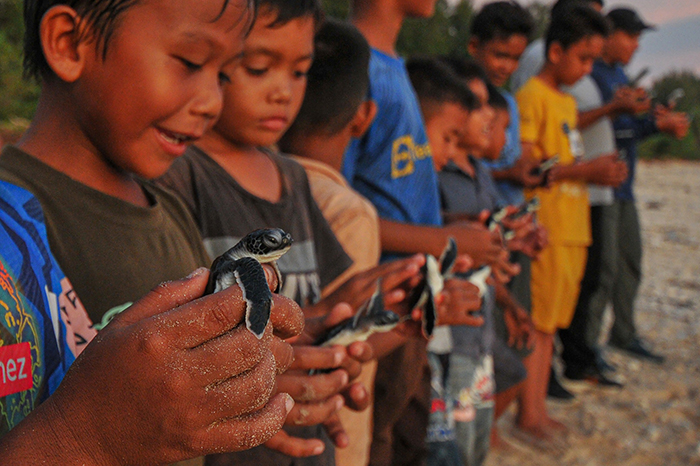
{"points": [[336, 431], [295, 446], [310, 414], [314, 357], [356, 397], [233, 353], [360, 351], [166, 296], [318, 326], [248, 431], [244, 393], [205, 318], [286, 316], [312, 388], [284, 354]]}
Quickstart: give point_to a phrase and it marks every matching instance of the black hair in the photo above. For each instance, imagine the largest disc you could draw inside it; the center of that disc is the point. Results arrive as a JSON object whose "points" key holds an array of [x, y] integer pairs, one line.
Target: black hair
{"points": [[574, 23], [496, 100], [101, 15], [435, 83], [561, 4], [337, 82], [500, 20], [287, 10], [466, 69]]}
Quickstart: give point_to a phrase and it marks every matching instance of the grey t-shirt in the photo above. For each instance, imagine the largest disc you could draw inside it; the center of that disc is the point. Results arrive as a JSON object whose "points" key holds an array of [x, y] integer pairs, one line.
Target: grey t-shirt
{"points": [[461, 193], [225, 212], [599, 138]]}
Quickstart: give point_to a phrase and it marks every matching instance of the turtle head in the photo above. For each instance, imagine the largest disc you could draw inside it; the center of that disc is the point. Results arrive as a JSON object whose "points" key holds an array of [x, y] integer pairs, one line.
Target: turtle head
{"points": [[268, 244]]}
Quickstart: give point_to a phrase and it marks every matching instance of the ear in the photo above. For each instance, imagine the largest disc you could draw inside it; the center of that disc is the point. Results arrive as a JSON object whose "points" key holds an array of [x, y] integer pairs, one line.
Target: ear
{"points": [[363, 118], [472, 46], [555, 52], [64, 44]]}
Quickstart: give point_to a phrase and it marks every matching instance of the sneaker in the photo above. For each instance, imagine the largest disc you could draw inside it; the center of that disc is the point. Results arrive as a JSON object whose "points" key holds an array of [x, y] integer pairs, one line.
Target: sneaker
{"points": [[637, 349], [557, 390]]}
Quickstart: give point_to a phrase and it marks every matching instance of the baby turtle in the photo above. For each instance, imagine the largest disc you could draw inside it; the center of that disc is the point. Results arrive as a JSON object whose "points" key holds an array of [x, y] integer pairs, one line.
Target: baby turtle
{"points": [[371, 318], [434, 275], [241, 265]]}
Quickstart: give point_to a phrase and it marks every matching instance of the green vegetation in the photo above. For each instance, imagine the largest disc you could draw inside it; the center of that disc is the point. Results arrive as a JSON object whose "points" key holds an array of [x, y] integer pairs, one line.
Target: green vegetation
{"points": [[446, 33]]}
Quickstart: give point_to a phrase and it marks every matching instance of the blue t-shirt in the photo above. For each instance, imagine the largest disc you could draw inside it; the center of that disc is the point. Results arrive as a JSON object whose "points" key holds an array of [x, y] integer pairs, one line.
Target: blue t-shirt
{"points": [[34, 353], [509, 193], [629, 129], [392, 164]]}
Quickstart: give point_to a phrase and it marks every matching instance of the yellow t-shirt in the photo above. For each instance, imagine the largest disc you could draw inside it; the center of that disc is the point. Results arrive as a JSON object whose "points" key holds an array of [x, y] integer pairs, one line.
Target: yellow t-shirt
{"points": [[548, 120]]}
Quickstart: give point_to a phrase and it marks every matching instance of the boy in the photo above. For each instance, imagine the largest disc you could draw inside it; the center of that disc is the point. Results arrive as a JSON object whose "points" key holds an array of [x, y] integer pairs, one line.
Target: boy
{"points": [[622, 224], [232, 167], [84, 157], [548, 127], [533, 58], [82, 141], [335, 109], [392, 167]]}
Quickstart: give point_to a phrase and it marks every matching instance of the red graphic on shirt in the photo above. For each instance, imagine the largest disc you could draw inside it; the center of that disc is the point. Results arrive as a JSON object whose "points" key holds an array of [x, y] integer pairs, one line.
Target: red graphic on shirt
{"points": [[15, 369]]}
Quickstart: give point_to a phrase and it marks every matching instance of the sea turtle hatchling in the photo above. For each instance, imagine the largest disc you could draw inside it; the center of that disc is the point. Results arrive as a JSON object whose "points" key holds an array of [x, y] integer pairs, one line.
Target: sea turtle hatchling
{"points": [[241, 265], [370, 319], [434, 275]]}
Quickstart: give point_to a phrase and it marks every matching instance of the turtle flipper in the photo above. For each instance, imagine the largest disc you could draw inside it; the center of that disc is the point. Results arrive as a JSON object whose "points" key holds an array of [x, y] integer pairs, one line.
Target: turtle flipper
{"points": [[250, 276], [429, 314], [448, 258]]}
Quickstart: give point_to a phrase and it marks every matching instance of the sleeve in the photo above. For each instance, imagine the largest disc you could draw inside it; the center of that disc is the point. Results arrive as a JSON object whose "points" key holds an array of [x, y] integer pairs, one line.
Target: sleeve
{"points": [[530, 115], [332, 258]]}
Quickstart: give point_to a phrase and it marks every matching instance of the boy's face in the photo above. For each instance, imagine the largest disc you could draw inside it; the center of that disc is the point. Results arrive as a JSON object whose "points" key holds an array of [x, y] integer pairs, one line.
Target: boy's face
{"points": [[497, 139], [622, 45], [499, 56], [267, 88], [159, 86], [577, 61], [444, 128], [476, 134]]}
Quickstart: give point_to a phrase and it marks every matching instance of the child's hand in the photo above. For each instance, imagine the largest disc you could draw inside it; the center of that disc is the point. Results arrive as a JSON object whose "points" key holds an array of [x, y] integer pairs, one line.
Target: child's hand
{"points": [[524, 172], [675, 124], [521, 330], [607, 170], [457, 303], [397, 277], [184, 379], [474, 239]]}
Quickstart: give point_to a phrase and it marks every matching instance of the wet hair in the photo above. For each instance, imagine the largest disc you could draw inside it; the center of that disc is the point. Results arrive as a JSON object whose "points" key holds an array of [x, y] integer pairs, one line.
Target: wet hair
{"points": [[436, 84], [496, 100], [572, 24], [102, 17], [288, 10], [561, 4], [466, 69], [500, 20], [337, 82]]}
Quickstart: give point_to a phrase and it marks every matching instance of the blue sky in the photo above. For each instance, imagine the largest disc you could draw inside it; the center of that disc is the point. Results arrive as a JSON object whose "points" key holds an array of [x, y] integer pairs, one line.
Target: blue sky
{"points": [[675, 45]]}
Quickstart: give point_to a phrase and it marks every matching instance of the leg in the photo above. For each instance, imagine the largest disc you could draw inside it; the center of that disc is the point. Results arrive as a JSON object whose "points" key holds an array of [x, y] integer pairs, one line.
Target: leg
{"points": [[533, 412], [628, 277]]}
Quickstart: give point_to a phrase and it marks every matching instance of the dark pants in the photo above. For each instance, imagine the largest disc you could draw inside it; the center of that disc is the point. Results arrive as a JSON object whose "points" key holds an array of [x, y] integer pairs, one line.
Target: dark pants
{"points": [[613, 274], [401, 407]]}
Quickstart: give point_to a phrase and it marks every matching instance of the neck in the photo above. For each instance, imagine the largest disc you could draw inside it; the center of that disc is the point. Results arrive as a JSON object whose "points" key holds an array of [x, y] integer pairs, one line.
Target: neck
{"points": [[380, 23], [608, 57], [57, 138], [216, 145], [549, 77], [326, 149]]}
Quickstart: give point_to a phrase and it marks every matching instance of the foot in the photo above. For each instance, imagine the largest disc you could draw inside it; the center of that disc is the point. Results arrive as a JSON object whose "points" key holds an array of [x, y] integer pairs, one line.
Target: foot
{"points": [[591, 375], [555, 426], [639, 350], [602, 364], [556, 390], [540, 438]]}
